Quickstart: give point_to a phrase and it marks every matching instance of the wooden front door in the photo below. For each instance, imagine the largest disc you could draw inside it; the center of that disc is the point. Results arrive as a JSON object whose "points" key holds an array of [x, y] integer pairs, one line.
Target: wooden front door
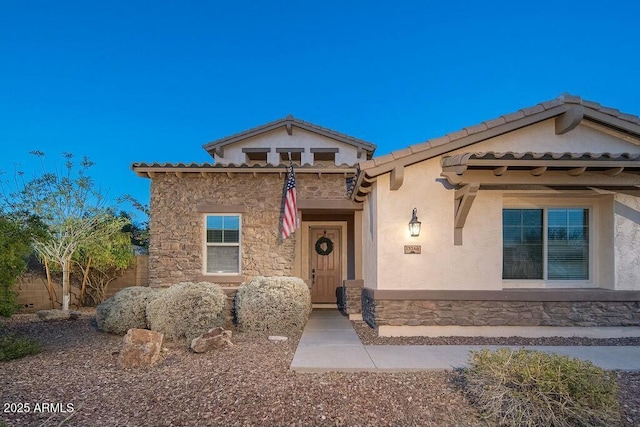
{"points": [[325, 269]]}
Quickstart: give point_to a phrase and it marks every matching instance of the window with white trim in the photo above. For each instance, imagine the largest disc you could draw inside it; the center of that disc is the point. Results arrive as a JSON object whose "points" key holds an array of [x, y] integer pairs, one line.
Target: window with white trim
{"points": [[222, 244], [545, 244]]}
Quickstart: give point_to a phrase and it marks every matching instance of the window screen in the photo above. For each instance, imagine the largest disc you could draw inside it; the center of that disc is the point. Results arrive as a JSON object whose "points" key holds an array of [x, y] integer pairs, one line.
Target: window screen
{"points": [[223, 244], [550, 244]]}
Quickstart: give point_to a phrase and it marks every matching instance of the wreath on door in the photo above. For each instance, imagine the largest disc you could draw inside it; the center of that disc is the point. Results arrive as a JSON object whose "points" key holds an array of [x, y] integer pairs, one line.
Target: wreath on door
{"points": [[324, 240]]}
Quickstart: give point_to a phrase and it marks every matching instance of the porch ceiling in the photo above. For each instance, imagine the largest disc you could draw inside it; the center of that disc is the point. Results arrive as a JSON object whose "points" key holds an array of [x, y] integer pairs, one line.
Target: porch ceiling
{"points": [[547, 169], [471, 172]]}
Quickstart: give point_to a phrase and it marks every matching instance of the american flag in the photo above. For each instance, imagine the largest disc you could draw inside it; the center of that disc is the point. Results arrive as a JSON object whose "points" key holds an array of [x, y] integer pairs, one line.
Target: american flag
{"points": [[290, 217]]}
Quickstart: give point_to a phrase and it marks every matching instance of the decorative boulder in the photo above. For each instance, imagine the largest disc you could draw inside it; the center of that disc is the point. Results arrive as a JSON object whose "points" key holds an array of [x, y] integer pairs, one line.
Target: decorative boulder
{"points": [[141, 348], [48, 315], [214, 338]]}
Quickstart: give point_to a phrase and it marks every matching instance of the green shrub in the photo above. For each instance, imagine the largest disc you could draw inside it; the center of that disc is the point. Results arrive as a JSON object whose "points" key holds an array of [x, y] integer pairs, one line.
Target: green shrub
{"points": [[187, 310], [12, 347], [125, 310], [8, 301], [532, 388], [276, 305], [16, 232]]}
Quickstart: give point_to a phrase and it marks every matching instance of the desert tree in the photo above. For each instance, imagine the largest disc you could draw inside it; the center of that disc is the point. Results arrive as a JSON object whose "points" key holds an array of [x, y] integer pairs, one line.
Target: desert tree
{"points": [[101, 259], [70, 205], [139, 230]]}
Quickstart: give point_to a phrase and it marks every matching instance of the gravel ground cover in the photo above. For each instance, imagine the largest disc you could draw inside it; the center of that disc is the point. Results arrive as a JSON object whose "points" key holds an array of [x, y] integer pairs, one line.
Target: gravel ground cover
{"points": [[248, 384]]}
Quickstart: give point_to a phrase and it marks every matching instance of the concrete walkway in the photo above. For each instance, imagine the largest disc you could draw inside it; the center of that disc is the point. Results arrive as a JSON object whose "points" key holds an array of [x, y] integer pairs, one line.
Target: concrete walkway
{"points": [[329, 343]]}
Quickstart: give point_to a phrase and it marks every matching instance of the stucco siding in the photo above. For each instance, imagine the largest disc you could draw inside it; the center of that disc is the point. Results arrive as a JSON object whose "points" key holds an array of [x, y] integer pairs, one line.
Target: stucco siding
{"points": [[279, 138], [441, 264], [541, 137], [370, 241], [477, 263], [627, 238]]}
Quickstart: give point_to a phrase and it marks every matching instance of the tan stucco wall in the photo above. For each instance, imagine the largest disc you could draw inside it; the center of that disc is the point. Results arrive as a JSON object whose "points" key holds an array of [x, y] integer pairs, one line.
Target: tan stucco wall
{"points": [[477, 263], [627, 238], [177, 227], [370, 240], [279, 138]]}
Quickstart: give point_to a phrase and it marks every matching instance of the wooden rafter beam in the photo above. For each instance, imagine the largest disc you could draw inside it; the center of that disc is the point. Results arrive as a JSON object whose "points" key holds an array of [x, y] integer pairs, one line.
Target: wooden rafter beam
{"points": [[538, 171], [630, 191], [577, 171], [464, 198], [614, 171], [569, 120], [550, 178], [397, 177], [500, 170]]}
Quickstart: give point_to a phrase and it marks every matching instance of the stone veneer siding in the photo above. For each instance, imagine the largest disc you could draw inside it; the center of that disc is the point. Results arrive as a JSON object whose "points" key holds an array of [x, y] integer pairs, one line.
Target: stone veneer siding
{"points": [[353, 291], [368, 309], [177, 224], [378, 312]]}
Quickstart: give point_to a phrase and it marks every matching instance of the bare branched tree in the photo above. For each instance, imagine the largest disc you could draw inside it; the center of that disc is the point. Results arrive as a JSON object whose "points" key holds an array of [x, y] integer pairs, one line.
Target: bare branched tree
{"points": [[69, 204]]}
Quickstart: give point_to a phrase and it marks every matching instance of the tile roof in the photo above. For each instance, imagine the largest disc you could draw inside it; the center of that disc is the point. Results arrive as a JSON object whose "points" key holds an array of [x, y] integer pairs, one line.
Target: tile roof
{"points": [[238, 166], [592, 111], [503, 124], [291, 121], [142, 168], [466, 158]]}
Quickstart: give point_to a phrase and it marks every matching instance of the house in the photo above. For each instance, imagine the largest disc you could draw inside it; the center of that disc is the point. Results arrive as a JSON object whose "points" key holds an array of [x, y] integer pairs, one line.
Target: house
{"points": [[221, 222], [527, 221]]}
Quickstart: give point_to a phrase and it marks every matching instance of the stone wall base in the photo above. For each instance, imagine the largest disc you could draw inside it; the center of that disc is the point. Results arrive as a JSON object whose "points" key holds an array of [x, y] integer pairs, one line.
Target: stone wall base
{"points": [[507, 313], [588, 308], [353, 293]]}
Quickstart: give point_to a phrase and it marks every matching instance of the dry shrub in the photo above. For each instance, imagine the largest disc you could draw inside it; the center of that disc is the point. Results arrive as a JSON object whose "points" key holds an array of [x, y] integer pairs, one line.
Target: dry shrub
{"points": [[532, 388], [187, 310], [276, 305], [125, 310]]}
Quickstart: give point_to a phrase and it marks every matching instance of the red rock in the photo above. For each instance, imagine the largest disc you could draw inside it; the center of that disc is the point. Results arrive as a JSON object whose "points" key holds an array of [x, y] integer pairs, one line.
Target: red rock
{"points": [[212, 339], [142, 348]]}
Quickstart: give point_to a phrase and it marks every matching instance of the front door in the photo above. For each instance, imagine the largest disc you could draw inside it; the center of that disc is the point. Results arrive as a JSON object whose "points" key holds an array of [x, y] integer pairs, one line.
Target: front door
{"points": [[325, 250]]}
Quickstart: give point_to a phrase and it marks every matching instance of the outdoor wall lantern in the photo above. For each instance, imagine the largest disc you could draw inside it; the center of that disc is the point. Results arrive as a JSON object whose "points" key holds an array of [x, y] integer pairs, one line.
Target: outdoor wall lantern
{"points": [[414, 224]]}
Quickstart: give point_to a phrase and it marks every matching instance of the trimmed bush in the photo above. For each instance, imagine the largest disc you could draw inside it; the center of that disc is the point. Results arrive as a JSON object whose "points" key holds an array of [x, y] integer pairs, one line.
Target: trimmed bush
{"points": [[187, 310], [532, 388], [125, 310], [275, 305]]}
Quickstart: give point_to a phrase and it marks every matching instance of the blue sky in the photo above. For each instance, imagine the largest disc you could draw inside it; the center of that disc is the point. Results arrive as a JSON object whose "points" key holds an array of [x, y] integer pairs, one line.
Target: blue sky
{"points": [[130, 81]]}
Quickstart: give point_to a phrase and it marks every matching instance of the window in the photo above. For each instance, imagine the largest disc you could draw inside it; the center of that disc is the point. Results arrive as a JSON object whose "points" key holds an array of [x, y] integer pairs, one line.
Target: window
{"points": [[545, 244], [223, 244]]}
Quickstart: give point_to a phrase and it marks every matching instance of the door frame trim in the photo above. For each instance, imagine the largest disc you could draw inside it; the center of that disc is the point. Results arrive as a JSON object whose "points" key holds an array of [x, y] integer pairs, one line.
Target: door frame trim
{"points": [[305, 228]]}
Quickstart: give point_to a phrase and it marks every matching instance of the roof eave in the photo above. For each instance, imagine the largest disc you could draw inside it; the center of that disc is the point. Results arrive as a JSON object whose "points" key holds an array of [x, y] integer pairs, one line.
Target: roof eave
{"points": [[464, 141], [288, 123], [150, 171]]}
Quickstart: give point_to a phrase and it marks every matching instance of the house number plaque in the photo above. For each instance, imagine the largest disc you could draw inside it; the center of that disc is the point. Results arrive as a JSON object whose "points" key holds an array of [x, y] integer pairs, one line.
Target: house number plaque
{"points": [[412, 249]]}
